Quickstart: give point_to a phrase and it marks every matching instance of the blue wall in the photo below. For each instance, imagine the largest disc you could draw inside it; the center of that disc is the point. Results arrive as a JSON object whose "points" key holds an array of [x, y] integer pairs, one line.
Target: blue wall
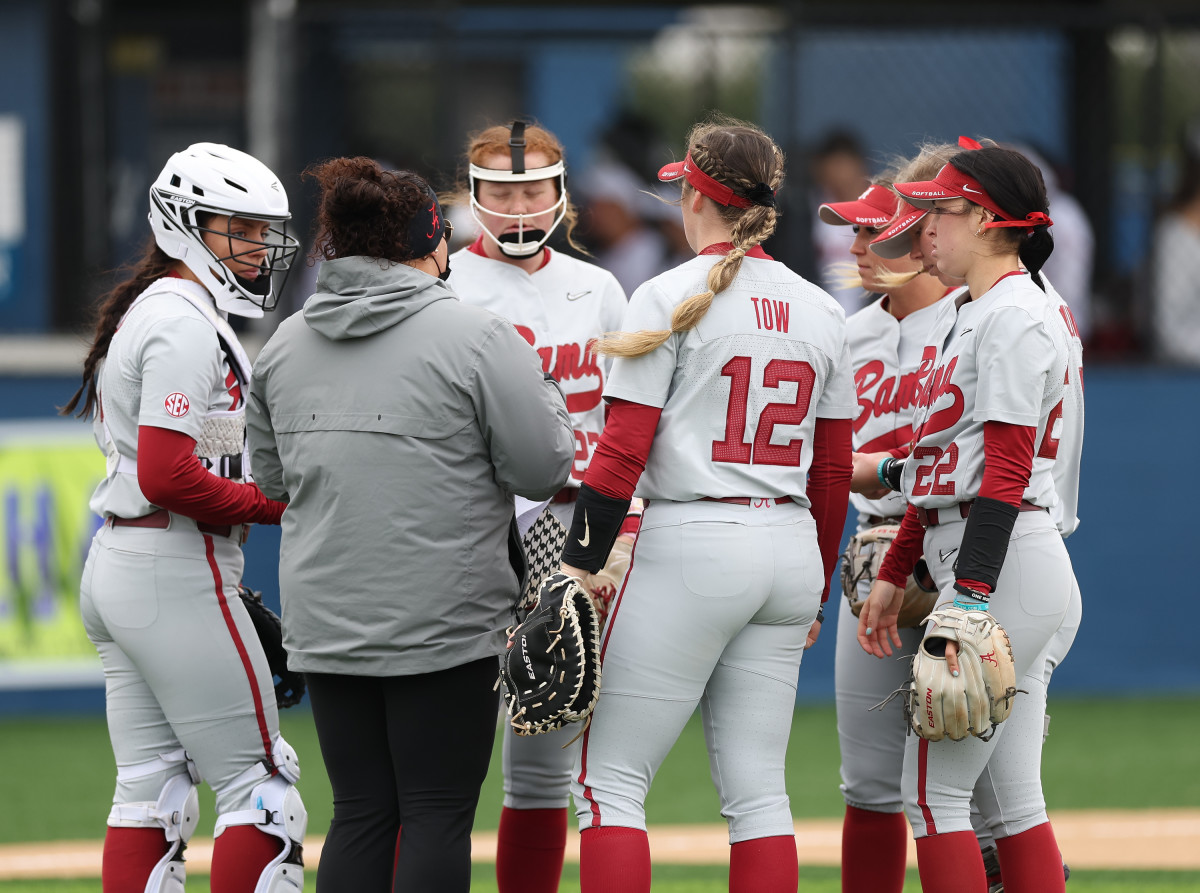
{"points": [[1133, 554], [25, 94]]}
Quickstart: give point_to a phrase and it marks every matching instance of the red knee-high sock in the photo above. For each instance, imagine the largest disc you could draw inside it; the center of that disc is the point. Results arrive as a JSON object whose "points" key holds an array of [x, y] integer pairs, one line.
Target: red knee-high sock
{"points": [[614, 860], [764, 865], [874, 851], [1031, 861], [951, 863], [239, 856], [130, 854], [529, 850]]}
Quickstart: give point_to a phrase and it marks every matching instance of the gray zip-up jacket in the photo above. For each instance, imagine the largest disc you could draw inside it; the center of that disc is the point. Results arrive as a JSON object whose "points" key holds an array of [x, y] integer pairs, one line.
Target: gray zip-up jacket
{"points": [[395, 421]]}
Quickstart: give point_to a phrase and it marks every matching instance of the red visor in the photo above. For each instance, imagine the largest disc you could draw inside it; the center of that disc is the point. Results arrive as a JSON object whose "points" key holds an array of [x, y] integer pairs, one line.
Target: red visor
{"points": [[703, 183], [896, 240], [950, 182], [874, 207]]}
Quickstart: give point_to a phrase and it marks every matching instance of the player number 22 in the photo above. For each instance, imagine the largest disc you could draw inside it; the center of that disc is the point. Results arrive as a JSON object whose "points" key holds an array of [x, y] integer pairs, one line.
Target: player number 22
{"points": [[761, 451]]}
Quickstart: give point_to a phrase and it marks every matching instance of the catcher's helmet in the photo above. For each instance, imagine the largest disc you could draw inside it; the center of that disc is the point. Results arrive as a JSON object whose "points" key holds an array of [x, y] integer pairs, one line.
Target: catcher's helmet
{"points": [[209, 178], [526, 241]]}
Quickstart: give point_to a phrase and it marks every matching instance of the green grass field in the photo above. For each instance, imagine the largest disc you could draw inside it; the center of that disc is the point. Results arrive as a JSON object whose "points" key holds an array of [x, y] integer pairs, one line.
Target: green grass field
{"points": [[57, 784], [688, 879]]}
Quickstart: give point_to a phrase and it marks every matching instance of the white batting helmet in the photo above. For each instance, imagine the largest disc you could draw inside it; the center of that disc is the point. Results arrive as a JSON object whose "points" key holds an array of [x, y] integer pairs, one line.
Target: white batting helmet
{"points": [[209, 178]]}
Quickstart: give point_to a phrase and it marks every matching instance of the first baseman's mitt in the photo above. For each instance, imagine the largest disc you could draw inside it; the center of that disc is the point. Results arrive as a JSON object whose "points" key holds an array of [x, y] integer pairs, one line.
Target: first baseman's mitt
{"points": [[551, 670], [980, 698], [543, 543], [860, 565], [290, 687]]}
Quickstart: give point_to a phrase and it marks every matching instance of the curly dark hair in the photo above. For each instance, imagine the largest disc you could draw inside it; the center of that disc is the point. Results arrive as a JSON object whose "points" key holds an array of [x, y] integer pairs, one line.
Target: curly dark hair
{"points": [[364, 210]]}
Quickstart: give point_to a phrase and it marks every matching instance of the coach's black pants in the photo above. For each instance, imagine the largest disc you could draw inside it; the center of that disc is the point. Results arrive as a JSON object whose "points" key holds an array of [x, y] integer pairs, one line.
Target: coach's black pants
{"points": [[403, 750]]}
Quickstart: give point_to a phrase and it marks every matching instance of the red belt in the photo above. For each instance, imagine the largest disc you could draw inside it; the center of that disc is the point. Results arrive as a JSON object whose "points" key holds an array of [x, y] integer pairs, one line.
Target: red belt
{"points": [[160, 519], [745, 500], [929, 517], [566, 494]]}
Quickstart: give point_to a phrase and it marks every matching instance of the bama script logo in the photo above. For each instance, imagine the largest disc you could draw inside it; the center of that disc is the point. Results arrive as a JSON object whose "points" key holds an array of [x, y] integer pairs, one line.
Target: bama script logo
{"points": [[879, 396], [567, 363], [938, 386]]}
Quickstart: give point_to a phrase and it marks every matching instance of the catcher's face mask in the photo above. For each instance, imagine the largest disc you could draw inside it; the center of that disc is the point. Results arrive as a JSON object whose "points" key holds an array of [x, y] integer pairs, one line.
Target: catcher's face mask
{"points": [[518, 208]]}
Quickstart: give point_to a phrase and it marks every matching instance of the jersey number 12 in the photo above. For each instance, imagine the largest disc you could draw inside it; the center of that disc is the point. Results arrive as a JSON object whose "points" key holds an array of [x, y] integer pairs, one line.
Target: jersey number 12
{"points": [[761, 451]]}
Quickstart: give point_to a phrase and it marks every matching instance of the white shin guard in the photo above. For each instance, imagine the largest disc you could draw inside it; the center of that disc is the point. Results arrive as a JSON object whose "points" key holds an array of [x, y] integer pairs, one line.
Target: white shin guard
{"points": [[176, 812], [279, 812]]}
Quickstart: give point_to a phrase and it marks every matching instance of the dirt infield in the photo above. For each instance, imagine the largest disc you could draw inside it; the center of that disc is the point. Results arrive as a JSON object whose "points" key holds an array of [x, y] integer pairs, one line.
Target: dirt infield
{"points": [[1146, 839]]}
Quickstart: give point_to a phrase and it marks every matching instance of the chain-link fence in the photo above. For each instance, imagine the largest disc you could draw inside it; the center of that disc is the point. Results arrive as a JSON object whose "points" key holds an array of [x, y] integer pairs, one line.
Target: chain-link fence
{"points": [[1102, 96]]}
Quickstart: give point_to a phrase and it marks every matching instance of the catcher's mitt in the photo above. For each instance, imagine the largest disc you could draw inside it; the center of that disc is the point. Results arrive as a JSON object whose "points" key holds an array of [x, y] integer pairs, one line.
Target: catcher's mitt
{"points": [[543, 543], [860, 565], [551, 670], [939, 705], [290, 687]]}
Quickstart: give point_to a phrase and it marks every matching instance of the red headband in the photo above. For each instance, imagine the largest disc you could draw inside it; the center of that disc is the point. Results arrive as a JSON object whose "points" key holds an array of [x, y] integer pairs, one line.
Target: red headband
{"points": [[718, 192]]}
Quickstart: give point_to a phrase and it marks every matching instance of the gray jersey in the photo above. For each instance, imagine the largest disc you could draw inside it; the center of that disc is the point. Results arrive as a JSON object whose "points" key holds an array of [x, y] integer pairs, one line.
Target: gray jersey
{"points": [[1002, 357], [740, 393]]}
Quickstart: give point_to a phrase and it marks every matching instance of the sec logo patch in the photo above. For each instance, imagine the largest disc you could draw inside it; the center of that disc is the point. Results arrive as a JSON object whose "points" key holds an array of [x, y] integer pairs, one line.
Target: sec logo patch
{"points": [[177, 405]]}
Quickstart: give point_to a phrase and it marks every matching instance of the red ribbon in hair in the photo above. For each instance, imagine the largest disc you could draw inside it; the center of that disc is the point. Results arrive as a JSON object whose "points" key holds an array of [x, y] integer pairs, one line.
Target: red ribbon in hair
{"points": [[1032, 219], [966, 142]]}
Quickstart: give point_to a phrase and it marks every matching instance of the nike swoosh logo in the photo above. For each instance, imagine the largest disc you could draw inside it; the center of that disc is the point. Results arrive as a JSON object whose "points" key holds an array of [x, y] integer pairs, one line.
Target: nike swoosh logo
{"points": [[685, 167], [576, 295], [969, 189], [943, 554], [965, 331], [587, 531]]}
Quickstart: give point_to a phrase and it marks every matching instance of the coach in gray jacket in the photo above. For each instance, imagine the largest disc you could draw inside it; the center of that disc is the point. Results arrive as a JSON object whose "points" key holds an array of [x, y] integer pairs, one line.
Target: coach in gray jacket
{"points": [[396, 422]]}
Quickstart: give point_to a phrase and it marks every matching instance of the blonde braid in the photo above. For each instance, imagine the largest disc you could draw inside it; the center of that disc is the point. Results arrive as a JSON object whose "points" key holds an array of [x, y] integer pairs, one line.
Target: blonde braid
{"points": [[750, 226]]}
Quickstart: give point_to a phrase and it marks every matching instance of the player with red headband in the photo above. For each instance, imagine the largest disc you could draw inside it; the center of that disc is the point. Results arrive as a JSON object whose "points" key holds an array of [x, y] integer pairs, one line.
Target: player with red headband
{"points": [[887, 341], [730, 411], [981, 488]]}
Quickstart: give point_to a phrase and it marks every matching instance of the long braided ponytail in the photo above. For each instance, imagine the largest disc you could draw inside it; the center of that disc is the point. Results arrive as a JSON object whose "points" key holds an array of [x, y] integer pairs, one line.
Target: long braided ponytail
{"points": [[742, 157]]}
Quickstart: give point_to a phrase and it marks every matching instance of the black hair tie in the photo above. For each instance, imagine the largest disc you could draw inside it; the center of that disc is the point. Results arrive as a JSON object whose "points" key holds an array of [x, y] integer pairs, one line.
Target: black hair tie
{"points": [[762, 194]]}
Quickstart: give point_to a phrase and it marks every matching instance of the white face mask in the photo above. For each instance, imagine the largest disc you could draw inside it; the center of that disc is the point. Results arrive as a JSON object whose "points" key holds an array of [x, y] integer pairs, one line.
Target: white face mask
{"points": [[527, 240]]}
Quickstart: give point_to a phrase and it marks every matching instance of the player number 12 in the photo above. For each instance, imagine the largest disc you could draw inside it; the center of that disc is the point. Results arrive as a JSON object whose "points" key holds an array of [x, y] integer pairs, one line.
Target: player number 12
{"points": [[761, 451]]}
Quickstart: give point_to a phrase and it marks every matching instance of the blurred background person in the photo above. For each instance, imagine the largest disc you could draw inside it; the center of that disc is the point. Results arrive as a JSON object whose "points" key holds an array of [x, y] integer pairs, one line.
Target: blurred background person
{"points": [[1175, 264], [839, 174], [1070, 266], [616, 208], [396, 422]]}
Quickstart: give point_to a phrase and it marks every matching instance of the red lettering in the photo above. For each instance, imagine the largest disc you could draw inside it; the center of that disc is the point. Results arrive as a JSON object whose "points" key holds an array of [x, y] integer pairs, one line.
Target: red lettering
{"points": [[782, 310], [768, 315], [757, 318], [1048, 449], [865, 378], [1069, 319]]}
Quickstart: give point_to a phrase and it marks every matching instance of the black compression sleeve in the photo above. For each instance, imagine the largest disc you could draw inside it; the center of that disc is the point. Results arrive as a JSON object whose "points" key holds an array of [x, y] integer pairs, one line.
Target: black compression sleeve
{"points": [[985, 540], [594, 529]]}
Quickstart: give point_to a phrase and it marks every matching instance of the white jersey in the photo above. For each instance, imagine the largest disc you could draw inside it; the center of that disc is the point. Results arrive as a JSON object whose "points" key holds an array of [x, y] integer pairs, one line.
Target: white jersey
{"points": [[165, 368], [1069, 431], [740, 392], [558, 309], [1002, 357], [890, 368]]}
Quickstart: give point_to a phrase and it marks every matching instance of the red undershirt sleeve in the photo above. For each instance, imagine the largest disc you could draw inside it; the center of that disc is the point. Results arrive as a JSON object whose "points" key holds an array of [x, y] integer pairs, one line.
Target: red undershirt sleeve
{"points": [[170, 476], [1008, 461], [902, 557], [624, 447], [829, 488]]}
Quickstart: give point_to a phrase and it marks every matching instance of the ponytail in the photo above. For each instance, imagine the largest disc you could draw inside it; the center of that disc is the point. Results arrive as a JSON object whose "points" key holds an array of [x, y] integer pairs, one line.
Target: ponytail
{"points": [[1034, 250], [153, 265], [745, 159]]}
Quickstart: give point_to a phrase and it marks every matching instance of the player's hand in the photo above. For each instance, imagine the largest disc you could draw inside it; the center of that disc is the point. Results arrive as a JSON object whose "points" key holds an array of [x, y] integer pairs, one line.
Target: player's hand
{"points": [[577, 573], [813, 632], [952, 657], [877, 631], [864, 478]]}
